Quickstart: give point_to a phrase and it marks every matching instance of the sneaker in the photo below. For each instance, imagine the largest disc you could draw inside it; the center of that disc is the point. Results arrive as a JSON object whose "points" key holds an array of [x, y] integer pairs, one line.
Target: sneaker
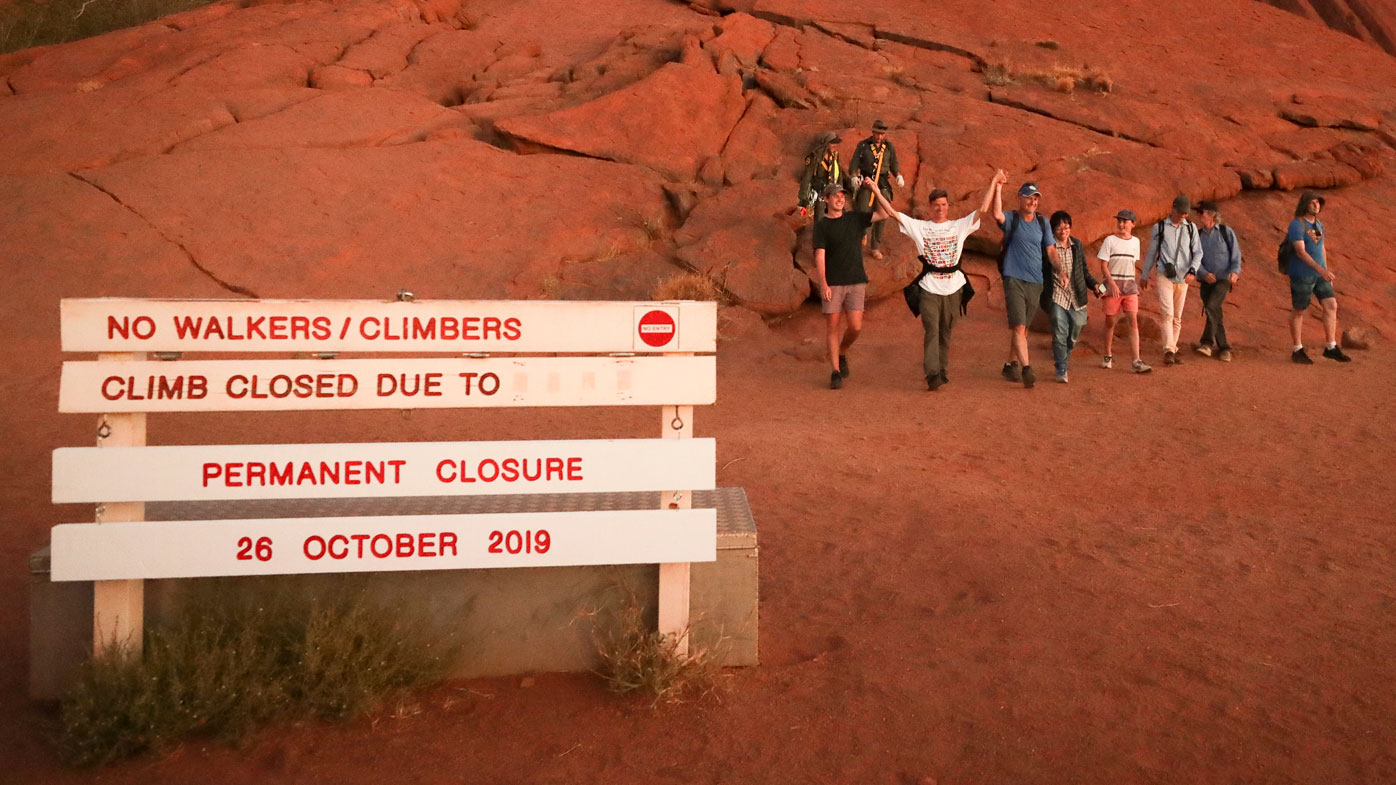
{"points": [[934, 382], [1108, 361], [835, 381], [843, 366], [1029, 376], [1062, 378], [1203, 349], [1298, 356], [1012, 372], [1177, 358], [1140, 367], [1336, 353], [1171, 358], [1225, 355]]}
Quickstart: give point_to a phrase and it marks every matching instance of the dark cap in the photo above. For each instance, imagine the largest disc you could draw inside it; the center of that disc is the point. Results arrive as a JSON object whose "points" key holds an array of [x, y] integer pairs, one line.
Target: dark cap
{"points": [[1207, 207], [831, 189], [1127, 215], [937, 193], [1029, 189], [1181, 204], [879, 126], [829, 137]]}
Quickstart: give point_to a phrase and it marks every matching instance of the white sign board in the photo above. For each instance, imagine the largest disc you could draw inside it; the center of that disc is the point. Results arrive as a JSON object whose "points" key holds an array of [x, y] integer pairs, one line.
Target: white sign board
{"points": [[329, 471], [280, 385], [521, 326], [192, 549]]}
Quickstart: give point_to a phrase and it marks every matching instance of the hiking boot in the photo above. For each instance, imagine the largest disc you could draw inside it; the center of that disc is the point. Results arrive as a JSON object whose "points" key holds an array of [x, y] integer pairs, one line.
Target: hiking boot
{"points": [[1062, 378], [1108, 361], [835, 381], [1298, 356], [1012, 372], [1139, 367], [1225, 355], [1203, 349], [934, 382], [843, 366], [1177, 358], [943, 378], [1336, 353], [1029, 376], [1170, 358]]}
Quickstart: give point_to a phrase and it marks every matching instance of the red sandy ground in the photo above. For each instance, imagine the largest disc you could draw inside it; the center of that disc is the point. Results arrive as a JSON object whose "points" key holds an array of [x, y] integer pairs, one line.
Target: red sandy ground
{"points": [[1183, 578]]}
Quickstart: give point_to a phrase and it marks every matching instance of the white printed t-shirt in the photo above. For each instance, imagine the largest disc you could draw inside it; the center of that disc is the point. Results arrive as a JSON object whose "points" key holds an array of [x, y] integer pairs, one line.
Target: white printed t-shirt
{"points": [[1120, 257], [942, 243]]}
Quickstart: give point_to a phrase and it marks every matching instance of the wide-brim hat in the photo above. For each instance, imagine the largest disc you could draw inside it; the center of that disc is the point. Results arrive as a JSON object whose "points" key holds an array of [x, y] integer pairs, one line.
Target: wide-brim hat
{"points": [[879, 127]]}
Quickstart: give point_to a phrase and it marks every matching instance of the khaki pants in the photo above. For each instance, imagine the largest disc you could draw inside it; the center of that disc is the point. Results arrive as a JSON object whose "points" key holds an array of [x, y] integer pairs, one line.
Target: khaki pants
{"points": [[1171, 297], [939, 312]]}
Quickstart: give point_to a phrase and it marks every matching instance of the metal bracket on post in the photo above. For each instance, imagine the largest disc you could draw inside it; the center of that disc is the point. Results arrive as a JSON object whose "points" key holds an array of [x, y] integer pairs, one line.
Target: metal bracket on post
{"points": [[118, 607]]}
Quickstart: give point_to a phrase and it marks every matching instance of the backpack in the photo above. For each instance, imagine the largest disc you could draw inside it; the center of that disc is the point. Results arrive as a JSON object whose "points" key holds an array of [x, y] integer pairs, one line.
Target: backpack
{"points": [[1008, 223], [1286, 253]]}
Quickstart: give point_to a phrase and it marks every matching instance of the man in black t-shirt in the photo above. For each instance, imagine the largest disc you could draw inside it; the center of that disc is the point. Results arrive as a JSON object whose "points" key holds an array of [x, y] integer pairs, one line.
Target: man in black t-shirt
{"points": [[842, 282]]}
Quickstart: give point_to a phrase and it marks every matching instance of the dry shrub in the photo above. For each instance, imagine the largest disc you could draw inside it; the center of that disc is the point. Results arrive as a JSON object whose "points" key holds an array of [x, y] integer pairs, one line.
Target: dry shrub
{"points": [[687, 286], [638, 659], [222, 669], [998, 74], [1066, 79]]}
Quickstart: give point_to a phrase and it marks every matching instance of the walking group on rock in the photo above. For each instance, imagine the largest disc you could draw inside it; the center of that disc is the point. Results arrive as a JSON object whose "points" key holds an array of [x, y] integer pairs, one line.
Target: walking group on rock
{"points": [[1042, 266]]}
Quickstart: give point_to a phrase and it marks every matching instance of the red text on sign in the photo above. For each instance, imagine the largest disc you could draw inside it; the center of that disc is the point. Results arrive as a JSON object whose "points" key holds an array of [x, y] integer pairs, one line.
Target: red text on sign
{"points": [[515, 542], [155, 388], [400, 545], [511, 470], [305, 385], [256, 474]]}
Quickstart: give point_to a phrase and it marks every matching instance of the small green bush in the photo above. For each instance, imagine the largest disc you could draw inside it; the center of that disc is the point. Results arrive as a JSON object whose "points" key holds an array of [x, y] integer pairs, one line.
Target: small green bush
{"points": [[26, 23], [222, 670]]}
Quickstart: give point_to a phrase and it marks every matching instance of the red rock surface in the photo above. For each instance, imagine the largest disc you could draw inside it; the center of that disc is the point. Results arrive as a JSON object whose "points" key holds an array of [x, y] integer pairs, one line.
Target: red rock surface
{"points": [[1007, 614]]}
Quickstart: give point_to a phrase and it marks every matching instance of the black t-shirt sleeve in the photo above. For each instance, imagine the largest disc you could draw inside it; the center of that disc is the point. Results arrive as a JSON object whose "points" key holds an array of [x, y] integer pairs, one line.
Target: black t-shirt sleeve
{"points": [[821, 239], [864, 219]]}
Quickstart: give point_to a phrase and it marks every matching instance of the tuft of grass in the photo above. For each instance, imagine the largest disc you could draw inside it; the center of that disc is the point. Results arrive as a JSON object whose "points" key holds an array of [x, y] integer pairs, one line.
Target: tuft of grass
{"points": [[26, 23], [687, 286], [998, 75], [222, 670], [636, 659], [1049, 44]]}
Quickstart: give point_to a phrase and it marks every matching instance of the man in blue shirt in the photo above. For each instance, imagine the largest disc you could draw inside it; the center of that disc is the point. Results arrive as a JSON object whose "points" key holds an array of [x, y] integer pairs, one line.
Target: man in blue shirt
{"points": [[1310, 277], [1026, 235], [1221, 266]]}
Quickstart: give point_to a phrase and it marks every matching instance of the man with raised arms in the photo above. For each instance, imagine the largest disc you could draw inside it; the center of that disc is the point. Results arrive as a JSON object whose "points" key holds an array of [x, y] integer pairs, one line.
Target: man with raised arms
{"points": [[939, 244]]}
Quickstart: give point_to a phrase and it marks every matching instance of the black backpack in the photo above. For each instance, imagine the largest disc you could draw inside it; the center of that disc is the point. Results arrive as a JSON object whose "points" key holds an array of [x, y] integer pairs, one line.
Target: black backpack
{"points": [[1285, 253]]}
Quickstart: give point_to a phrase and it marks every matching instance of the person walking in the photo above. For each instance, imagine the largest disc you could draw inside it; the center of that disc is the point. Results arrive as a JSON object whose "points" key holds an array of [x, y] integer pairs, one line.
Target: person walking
{"points": [[1174, 248], [875, 158], [821, 170], [1065, 292], [939, 244], [1309, 277], [1221, 266], [842, 281], [1026, 236], [1119, 255]]}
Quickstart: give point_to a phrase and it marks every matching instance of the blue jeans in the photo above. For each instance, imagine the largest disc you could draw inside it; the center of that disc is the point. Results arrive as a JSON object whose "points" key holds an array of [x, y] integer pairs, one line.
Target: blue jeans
{"points": [[1066, 329]]}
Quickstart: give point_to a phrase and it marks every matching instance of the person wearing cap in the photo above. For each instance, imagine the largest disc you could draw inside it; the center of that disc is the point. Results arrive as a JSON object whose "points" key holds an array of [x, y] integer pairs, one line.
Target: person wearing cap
{"points": [[1309, 277], [1119, 255], [842, 281], [821, 169], [1026, 236], [1176, 250], [1221, 266], [939, 244], [875, 158]]}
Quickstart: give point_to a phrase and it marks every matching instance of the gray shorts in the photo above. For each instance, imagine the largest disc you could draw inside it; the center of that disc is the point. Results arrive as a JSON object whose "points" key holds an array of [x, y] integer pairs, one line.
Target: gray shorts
{"points": [[845, 298], [1020, 299]]}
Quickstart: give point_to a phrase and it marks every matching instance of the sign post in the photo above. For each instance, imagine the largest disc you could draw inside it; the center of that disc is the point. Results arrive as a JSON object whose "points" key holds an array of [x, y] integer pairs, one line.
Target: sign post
{"points": [[118, 607]]}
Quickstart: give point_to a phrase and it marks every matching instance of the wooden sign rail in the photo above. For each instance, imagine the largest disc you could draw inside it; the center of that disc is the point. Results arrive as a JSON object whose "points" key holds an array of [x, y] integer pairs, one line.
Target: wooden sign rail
{"points": [[657, 342]]}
